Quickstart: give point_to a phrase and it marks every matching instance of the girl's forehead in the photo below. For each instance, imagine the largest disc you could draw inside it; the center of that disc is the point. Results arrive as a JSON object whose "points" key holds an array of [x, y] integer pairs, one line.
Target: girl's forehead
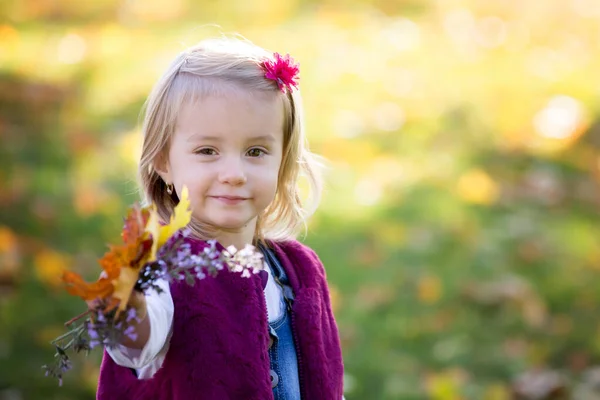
{"points": [[231, 115]]}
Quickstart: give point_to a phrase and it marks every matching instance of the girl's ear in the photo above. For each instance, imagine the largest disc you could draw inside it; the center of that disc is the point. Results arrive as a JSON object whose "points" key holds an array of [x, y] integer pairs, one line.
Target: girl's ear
{"points": [[162, 167]]}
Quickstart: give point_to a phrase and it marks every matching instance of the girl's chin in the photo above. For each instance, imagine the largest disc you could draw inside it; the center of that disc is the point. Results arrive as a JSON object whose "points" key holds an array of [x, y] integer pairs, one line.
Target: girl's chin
{"points": [[231, 220], [231, 224]]}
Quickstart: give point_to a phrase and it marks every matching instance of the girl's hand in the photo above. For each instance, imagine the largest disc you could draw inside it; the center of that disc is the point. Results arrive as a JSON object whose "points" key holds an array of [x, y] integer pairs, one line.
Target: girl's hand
{"points": [[137, 300]]}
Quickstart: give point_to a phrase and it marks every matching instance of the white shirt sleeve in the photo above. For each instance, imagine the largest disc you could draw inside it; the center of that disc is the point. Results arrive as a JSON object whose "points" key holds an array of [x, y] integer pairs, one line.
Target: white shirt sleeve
{"points": [[160, 316]]}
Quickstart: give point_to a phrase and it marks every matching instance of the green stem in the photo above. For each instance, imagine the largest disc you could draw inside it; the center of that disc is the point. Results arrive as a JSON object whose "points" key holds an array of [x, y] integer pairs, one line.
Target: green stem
{"points": [[61, 337], [69, 344], [72, 332]]}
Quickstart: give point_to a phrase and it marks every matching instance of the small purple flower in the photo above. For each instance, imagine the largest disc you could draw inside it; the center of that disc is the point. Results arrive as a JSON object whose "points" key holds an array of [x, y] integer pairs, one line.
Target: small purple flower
{"points": [[211, 251], [163, 268], [94, 343], [186, 232], [101, 317], [130, 332], [92, 333], [199, 273], [217, 264], [65, 365], [131, 314]]}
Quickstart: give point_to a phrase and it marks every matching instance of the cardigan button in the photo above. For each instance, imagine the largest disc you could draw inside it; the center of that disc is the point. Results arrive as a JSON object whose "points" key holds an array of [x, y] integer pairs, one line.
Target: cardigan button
{"points": [[274, 379]]}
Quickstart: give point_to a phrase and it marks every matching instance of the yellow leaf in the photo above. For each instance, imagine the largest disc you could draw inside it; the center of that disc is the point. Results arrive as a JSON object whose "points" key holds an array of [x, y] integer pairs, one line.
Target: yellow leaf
{"points": [[142, 236], [180, 218], [124, 285], [153, 228]]}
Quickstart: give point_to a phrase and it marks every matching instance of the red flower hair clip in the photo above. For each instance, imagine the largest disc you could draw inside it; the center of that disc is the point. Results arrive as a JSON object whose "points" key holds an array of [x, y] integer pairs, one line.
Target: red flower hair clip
{"points": [[282, 70]]}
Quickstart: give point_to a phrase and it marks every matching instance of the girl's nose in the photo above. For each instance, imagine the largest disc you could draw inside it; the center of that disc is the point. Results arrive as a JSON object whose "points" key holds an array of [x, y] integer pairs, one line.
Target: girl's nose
{"points": [[233, 172]]}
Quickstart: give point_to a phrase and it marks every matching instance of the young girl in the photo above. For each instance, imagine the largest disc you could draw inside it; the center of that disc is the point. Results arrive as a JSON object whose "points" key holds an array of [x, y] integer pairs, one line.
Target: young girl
{"points": [[225, 122]]}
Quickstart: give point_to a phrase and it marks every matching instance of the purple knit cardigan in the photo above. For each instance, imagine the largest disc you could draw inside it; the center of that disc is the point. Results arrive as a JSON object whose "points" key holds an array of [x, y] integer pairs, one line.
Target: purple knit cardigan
{"points": [[219, 346]]}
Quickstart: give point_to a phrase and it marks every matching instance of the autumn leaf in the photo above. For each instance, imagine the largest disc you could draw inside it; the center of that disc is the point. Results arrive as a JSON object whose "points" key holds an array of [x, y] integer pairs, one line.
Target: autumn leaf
{"points": [[135, 224], [129, 258], [87, 291], [142, 237], [180, 218], [120, 265], [131, 264], [123, 287], [146, 244]]}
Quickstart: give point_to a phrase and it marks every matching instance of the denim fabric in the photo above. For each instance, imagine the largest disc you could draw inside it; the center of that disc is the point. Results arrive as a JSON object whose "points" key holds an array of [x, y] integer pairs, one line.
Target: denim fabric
{"points": [[283, 360], [282, 354]]}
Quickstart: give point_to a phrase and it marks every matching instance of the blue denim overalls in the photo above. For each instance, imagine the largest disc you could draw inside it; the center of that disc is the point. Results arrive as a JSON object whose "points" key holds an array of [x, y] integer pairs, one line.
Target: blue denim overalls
{"points": [[282, 351]]}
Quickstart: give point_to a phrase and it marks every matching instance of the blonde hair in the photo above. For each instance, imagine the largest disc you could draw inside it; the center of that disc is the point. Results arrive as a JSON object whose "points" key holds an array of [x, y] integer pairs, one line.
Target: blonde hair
{"points": [[203, 70]]}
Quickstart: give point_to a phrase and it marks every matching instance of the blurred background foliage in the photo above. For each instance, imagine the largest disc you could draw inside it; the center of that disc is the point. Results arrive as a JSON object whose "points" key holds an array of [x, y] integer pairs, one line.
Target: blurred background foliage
{"points": [[460, 223]]}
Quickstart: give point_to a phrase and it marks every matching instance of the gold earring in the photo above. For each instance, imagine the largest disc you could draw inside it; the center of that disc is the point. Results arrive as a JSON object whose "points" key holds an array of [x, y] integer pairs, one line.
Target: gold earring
{"points": [[169, 188]]}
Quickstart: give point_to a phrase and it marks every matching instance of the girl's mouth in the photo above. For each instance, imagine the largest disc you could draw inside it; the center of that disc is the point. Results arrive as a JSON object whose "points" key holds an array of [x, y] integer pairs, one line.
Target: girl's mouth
{"points": [[230, 200]]}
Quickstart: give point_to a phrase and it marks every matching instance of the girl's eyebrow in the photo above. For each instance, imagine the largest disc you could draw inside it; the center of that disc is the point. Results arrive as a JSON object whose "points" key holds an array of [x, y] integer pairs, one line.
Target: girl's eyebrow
{"points": [[205, 138], [262, 138]]}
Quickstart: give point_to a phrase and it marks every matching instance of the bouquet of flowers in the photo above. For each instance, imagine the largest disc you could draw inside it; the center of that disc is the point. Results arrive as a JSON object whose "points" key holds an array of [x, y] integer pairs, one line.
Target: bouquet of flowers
{"points": [[149, 252]]}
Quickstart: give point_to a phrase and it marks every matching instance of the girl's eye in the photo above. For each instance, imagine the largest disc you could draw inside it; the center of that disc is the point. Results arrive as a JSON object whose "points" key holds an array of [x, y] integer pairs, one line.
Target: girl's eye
{"points": [[256, 152], [206, 151]]}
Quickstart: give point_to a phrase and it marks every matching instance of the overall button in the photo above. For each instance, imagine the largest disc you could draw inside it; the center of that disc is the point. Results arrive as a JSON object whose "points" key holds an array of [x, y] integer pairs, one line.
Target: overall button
{"points": [[274, 379]]}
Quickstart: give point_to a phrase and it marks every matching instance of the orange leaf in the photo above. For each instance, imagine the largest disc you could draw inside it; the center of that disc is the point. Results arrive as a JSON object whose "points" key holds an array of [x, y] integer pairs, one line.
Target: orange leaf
{"points": [[121, 265], [129, 256], [128, 259], [135, 224], [87, 291]]}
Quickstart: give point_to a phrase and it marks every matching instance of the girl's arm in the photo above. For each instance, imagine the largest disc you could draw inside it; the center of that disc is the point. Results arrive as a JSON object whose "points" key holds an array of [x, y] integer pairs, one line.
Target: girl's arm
{"points": [[141, 325], [153, 332]]}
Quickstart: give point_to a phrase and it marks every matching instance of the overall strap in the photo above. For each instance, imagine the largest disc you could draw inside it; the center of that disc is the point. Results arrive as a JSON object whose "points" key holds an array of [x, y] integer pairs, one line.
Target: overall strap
{"points": [[279, 276]]}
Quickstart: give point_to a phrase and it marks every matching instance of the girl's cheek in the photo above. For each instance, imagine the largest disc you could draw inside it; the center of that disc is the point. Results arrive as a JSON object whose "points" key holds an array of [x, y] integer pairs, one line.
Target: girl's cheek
{"points": [[194, 201]]}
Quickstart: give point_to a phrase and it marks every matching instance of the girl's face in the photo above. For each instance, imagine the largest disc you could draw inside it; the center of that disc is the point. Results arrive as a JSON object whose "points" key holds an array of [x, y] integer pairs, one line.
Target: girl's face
{"points": [[227, 150]]}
